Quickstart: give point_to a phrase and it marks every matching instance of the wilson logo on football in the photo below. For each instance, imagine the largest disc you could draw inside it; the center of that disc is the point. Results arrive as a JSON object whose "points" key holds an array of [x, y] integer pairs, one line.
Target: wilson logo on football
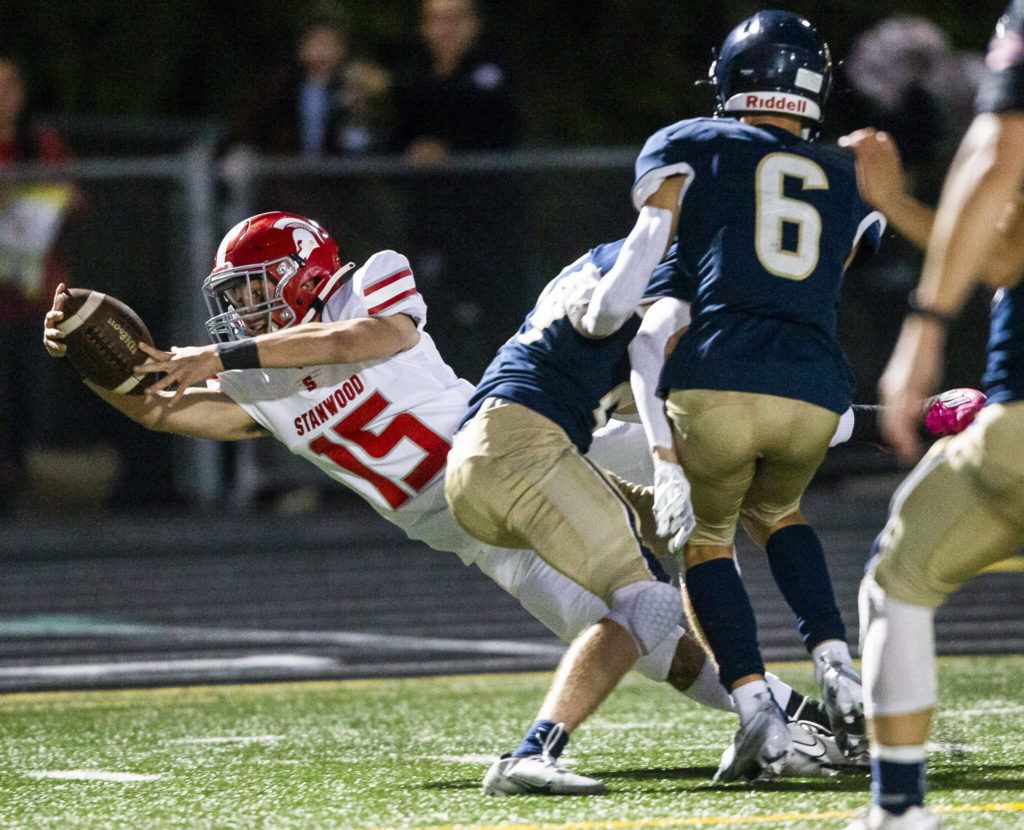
{"points": [[123, 335]]}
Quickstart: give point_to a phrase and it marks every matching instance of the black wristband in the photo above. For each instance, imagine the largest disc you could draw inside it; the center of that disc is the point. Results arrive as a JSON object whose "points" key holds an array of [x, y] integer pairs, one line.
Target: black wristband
{"points": [[239, 354], [943, 318]]}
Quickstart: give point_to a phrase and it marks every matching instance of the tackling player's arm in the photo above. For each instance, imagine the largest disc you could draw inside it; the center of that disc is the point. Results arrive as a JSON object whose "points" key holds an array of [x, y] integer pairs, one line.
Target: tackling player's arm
{"points": [[311, 344], [621, 289], [882, 184], [964, 248], [662, 325]]}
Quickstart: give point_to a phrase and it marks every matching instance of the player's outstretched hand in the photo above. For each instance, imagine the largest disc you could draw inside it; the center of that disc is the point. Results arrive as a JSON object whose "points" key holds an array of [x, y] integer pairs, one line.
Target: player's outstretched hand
{"points": [[672, 508], [184, 367], [880, 176], [53, 338], [953, 411]]}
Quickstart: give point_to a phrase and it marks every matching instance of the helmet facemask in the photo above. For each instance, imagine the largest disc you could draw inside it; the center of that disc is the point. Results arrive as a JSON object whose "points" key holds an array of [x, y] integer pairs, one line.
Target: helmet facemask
{"points": [[249, 300], [271, 271]]}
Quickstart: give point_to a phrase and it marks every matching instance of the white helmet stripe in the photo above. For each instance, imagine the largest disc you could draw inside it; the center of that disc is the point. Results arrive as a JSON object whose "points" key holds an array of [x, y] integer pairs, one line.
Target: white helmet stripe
{"points": [[222, 249]]}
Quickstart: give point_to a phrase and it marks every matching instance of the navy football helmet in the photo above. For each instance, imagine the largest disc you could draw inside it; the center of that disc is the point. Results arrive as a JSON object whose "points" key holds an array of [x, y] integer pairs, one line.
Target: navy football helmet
{"points": [[774, 62]]}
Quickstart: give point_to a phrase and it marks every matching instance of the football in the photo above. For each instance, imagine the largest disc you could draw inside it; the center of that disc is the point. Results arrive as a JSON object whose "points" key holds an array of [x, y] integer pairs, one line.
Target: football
{"points": [[103, 335]]}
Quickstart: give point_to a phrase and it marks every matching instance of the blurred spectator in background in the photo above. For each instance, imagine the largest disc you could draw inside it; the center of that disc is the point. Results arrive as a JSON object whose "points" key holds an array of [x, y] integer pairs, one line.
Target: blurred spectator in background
{"points": [[905, 79], [323, 103], [459, 94], [916, 88], [32, 264], [464, 231]]}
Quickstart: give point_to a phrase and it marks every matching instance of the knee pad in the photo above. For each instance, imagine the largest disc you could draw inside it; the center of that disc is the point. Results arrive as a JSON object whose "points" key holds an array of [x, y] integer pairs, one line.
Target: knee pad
{"points": [[897, 653], [655, 665], [648, 611]]}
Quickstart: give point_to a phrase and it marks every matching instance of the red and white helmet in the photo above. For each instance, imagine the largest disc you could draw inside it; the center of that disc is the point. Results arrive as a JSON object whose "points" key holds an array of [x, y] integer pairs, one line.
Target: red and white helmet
{"points": [[272, 271]]}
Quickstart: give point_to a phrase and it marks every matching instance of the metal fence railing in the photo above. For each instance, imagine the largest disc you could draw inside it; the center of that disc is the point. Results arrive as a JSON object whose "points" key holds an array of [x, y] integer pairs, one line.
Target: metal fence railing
{"points": [[484, 233]]}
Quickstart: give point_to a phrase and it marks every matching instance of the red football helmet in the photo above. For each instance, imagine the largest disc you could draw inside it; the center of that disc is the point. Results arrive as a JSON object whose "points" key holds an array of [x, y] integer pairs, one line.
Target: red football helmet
{"points": [[272, 271]]}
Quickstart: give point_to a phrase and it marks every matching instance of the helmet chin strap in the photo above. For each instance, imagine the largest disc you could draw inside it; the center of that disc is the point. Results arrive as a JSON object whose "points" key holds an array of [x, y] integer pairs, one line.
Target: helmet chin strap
{"points": [[317, 305]]}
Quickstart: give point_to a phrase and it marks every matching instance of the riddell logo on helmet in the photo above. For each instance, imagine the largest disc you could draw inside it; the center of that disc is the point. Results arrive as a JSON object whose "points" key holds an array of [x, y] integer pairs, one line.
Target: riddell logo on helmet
{"points": [[777, 103], [783, 103]]}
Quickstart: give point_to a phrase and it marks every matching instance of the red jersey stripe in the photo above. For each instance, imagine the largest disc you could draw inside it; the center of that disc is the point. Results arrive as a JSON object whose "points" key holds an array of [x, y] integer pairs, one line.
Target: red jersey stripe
{"points": [[392, 301], [377, 286]]}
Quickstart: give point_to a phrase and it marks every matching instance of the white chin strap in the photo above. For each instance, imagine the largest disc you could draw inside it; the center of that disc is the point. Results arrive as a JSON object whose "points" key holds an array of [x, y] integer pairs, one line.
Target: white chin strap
{"points": [[329, 286]]}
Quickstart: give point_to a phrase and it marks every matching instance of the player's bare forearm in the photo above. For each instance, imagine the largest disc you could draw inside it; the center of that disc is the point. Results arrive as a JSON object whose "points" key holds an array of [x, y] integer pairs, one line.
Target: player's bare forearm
{"points": [[882, 184], [348, 341], [983, 180], [312, 344], [912, 219], [203, 413], [1005, 266]]}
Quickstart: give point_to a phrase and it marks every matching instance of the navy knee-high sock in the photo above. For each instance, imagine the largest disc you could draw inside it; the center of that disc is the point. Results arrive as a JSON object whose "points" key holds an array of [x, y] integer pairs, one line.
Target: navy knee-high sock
{"points": [[533, 743], [898, 785], [798, 566], [726, 616]]}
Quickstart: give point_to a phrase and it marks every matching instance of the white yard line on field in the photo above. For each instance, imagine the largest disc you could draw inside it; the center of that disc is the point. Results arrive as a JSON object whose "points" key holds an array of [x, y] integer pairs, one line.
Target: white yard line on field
{"points": [[62, 626], [228, 739], [82, 672], [91, 775]]}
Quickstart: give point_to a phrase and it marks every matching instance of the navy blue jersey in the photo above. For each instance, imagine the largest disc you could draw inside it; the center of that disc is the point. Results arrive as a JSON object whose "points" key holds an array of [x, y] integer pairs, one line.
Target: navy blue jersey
{"points": [[551, 368], [1002, 89], [1004, 371], [768, 223]]}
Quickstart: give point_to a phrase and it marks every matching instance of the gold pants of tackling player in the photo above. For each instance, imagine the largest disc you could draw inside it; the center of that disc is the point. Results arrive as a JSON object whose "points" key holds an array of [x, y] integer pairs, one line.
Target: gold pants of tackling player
{"points": [[514, 479]]}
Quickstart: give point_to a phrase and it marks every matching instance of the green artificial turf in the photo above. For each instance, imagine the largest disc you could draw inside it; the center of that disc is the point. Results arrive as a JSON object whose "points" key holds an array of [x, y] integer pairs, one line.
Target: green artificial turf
{"points": [[411, 754]]}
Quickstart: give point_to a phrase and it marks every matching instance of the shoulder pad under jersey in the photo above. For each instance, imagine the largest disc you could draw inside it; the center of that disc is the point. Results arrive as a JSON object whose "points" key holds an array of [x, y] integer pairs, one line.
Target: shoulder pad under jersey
{"points": [[387, 286]]}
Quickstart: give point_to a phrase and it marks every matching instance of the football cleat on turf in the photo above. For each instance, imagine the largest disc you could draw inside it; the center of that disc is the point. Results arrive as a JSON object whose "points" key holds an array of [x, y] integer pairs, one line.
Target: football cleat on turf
{"points": [[952, 411], [761, 747], [815, 753], [875, 818], [538, 774], [843, 698]]}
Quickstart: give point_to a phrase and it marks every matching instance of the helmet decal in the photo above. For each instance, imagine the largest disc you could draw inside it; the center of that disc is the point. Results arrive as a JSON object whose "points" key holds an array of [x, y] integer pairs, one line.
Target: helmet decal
{"points": [[307, 235]]}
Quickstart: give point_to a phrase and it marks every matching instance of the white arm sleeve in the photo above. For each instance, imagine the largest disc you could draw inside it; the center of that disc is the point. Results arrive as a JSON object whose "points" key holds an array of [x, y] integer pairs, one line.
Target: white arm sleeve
{"points": [[622, 288], [647, 356]]}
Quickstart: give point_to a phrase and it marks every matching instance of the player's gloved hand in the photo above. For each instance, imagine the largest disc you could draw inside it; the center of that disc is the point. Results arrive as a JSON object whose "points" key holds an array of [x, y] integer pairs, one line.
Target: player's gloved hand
{"points": [[672, 508], [952, 411], [576, 291]]}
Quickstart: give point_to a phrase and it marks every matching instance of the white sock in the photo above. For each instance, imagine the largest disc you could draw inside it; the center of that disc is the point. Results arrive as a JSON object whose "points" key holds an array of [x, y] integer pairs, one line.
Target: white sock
{"points": [[746, 697], [833, 649], [781, 691], [708, 691]]}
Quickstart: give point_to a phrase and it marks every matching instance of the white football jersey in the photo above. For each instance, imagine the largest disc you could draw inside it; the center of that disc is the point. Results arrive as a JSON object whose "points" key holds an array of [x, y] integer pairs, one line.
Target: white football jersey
{"points": [[382, 428]]}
